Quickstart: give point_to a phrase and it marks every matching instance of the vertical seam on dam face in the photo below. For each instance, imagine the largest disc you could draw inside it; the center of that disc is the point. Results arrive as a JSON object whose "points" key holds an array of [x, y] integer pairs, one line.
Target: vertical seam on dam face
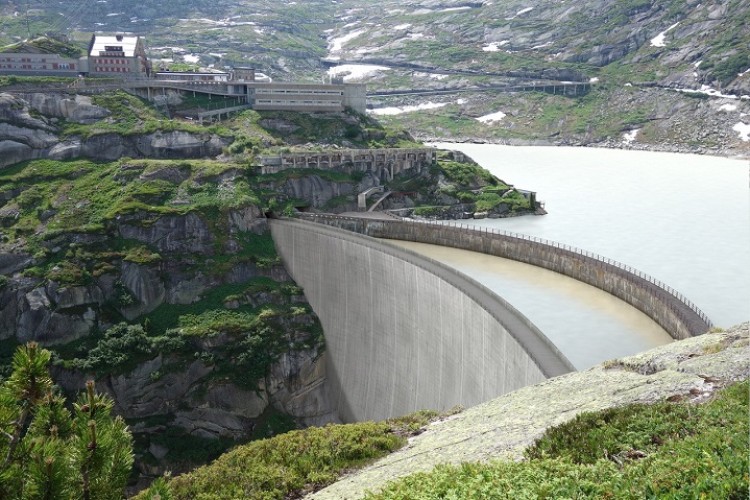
{"points": [[419, 334]]}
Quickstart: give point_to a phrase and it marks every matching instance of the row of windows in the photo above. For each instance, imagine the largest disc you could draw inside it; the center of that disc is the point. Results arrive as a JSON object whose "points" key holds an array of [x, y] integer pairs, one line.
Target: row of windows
{"points": [[292, 102], [107, 69], [38, 66], [120, 62], [22, 59], [298, 91]]}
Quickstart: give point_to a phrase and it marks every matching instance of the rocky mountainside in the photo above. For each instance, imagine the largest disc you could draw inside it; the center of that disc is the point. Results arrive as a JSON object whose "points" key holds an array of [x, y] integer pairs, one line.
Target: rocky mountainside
{"points": [[157, 278], [136, 248], [640, 55]]}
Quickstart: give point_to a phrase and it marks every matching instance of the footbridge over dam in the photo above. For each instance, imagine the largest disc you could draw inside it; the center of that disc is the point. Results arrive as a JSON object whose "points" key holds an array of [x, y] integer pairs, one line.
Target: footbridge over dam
{"points": [[405, 333]]}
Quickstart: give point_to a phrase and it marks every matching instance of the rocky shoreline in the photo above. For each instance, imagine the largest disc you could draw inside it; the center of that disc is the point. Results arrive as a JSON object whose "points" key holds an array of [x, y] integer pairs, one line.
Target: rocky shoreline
{"points": [[608, 144]]}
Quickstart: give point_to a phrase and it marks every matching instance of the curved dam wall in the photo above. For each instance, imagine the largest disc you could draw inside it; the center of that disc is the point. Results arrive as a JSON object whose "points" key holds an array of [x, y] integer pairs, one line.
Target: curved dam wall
{"points": [[405, 333], [668, 308]]}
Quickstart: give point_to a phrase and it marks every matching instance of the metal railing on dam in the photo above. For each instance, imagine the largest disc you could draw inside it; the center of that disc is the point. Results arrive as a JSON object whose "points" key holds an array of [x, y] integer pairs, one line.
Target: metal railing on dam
{"points": [[404, 332], [665, 305]]}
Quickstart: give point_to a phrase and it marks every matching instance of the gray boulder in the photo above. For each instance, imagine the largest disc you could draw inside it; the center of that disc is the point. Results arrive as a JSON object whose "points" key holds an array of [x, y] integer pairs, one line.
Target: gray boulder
{"points": [[79, 109]]}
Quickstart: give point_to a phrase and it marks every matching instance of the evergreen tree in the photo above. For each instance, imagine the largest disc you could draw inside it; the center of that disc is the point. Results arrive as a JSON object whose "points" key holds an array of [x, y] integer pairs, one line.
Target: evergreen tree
{"points": [[51, 452]]}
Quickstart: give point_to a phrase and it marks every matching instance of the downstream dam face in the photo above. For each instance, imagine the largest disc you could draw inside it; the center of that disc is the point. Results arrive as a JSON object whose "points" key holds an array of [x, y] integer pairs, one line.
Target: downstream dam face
{"points": [[405, 333]]}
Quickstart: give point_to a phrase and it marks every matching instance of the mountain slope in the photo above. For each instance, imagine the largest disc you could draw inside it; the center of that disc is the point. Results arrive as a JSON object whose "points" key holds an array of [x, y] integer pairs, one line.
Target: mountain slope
{"points": [[475, 46]]}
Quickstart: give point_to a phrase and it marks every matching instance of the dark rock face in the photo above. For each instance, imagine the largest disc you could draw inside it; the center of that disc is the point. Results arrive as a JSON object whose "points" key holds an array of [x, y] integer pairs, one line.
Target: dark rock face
{"points": [[145, 285], [24, 137], [177, 389], [316, 190], [186, 233]]}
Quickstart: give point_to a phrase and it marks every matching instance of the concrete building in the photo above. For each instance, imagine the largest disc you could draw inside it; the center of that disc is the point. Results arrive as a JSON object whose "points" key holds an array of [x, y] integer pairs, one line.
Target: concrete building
{"points": [[43, 56], [243, 74], [192, 76], [306, 96], [118, 55]]}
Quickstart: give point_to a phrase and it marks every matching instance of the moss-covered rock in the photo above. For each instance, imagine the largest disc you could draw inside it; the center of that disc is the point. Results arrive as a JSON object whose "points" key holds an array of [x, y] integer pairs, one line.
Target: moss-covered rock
{"points": [[501, 429]]}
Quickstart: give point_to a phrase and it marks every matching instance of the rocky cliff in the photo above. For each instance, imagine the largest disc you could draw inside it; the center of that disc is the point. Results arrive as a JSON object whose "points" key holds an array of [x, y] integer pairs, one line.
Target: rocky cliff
{"points": [[36, 126], [158, 278], [181, 311]]}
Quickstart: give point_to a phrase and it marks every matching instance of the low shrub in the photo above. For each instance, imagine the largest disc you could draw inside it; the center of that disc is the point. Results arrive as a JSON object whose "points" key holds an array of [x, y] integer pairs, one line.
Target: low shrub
{"points": [[288, 465], [667, 450]]}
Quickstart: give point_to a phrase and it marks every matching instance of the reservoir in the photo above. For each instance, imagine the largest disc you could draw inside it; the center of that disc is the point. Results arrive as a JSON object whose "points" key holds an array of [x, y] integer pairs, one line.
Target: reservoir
{"points": [[588, 325], [684, 219]]}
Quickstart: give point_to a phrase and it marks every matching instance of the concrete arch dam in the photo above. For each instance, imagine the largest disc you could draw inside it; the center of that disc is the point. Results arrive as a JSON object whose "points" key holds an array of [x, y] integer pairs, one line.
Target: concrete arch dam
{"points": [[405, 333], [679, 317]]}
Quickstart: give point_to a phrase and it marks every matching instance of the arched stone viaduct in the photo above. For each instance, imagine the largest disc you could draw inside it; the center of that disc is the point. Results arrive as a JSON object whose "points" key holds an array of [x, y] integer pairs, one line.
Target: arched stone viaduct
{"points": [[405, 333]]}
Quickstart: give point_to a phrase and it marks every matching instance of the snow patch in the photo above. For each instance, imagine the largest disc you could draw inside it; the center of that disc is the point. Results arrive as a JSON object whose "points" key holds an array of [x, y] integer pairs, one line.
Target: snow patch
{"points": [[407, 109], [352, 72], [520, 13], [223, 23], [547, 44], [659, 40], [337, 44], [743, 129], [629, 137], [402, 26], [453, 9], [495, 46], [705, 89], [728, 107], [492, 117], [434, 76]]}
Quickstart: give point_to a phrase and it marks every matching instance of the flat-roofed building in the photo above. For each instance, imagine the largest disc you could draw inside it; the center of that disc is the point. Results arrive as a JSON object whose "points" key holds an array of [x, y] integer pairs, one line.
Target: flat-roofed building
{"points": [[43, 56], [192, 76], [306, 96], [118, 56]]}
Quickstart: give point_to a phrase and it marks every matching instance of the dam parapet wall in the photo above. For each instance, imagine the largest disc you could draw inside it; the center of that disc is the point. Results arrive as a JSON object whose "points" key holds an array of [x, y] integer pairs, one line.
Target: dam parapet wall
{"points": [[667, 307], [404, 332]]}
